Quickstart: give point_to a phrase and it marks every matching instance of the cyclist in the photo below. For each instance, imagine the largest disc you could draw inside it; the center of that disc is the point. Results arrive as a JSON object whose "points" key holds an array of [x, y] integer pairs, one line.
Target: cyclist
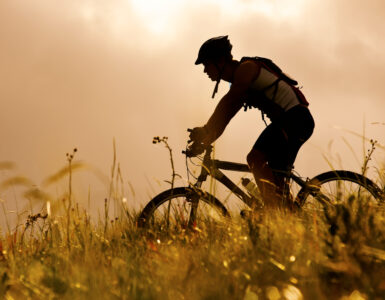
{"points": [[255, 84]]}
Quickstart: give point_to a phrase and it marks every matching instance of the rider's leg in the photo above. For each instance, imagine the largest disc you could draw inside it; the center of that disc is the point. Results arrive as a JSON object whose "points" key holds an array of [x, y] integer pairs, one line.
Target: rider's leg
{"points": [[270, 152], [276, 149], [298, 126], [264, 178]]}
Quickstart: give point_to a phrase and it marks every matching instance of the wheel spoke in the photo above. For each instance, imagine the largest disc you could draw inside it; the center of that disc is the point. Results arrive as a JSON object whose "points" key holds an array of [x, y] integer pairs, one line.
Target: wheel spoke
{"points": [[179, 209], [337, 187]]}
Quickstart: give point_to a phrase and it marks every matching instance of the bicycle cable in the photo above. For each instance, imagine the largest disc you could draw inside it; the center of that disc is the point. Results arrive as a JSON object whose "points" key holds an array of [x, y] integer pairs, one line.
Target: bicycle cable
{"points": [[187, 167], [297, 174], [192, 162]]}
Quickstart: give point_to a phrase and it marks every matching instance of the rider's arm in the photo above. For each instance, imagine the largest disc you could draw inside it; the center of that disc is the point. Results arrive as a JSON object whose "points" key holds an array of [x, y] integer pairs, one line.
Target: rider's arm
{"points": [[230, 104]]}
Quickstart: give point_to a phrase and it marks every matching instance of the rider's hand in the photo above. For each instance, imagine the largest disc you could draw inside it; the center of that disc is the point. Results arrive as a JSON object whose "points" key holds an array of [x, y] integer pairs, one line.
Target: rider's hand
{"points": [[195, 149], [198, 134]]}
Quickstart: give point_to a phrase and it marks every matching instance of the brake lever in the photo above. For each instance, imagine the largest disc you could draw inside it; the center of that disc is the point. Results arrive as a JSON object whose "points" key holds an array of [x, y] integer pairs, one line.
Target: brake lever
{"points": [[187, 153]]}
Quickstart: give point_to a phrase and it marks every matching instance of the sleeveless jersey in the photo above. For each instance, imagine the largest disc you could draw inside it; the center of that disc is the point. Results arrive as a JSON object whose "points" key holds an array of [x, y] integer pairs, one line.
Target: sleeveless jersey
{"points": [[272, 91], [283, 95]]}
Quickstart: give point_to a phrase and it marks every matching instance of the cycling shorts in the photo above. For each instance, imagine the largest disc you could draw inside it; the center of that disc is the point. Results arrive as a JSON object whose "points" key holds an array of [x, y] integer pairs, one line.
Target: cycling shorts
{"points": [[282, 139]]}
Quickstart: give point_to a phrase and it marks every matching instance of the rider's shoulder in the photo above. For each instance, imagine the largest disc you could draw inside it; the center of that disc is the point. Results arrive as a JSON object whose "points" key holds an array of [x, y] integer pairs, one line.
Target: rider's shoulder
{"points": [[249, 64], [247, 67]]}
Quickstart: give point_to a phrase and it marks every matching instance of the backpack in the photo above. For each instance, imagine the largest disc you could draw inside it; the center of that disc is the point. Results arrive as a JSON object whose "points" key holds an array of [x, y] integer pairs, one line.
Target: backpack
{"points": [[273, 68]]}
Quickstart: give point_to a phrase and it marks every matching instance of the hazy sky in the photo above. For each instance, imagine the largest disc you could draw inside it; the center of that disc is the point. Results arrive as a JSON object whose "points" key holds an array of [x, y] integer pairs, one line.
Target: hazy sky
{"points": [[80, 73]]}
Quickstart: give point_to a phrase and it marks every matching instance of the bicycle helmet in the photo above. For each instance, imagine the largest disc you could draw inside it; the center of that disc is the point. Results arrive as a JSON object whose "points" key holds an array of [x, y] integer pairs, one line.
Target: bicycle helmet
{"points": [[213, 49]]}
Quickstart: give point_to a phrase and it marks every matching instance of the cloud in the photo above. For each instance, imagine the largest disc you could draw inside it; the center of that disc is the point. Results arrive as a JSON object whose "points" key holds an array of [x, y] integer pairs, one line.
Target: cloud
{"points": [[80, 73]]}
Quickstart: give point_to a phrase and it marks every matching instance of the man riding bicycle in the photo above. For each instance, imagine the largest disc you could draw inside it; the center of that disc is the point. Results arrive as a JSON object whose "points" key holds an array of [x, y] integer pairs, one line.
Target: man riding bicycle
{"points": [[256, 82]]}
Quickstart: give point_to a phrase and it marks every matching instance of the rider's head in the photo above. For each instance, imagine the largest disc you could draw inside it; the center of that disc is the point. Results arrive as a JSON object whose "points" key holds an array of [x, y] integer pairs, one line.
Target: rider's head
{"points": [[214, 54], [215, 50]]}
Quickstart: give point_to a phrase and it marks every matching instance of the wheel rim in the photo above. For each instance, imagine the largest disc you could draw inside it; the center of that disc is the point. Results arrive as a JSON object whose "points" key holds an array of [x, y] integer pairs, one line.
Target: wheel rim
{"points": [[336, 191], [175, 212]]}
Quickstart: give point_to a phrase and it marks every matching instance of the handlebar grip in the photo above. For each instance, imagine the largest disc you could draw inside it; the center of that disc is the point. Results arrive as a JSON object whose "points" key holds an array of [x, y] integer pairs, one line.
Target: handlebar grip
{"points": [[189, 130], [188, 153]]}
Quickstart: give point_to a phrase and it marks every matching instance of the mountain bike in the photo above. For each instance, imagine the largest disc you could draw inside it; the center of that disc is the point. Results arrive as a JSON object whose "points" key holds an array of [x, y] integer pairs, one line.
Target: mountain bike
{"points": [[187, 206]]}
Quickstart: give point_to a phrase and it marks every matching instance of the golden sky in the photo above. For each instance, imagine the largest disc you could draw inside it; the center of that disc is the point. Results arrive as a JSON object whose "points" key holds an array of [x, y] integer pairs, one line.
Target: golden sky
{"points": [[80, 73]]}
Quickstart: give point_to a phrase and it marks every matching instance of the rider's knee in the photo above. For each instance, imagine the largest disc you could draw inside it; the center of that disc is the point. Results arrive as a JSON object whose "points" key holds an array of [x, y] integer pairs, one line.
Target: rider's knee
{"points": [[256, 159]]}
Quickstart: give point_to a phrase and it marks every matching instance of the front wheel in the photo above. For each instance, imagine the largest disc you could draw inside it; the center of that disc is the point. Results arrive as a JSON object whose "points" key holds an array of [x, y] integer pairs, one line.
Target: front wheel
{"points": [[182, 207], [337, 186]]}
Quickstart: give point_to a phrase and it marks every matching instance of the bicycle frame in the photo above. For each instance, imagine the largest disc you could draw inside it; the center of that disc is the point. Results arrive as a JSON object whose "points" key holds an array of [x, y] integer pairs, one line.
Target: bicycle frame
{"points": [[308, 187], [212, 167]]}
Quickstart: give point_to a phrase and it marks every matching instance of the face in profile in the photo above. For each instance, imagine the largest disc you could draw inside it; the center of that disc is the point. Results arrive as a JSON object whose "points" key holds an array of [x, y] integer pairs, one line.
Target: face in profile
{"points": [[211, 70]]}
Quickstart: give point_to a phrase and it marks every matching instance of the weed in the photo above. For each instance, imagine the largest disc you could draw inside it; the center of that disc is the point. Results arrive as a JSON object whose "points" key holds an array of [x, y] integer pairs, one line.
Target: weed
{"points": [[164, 140], [275, 255], [70, 157]]}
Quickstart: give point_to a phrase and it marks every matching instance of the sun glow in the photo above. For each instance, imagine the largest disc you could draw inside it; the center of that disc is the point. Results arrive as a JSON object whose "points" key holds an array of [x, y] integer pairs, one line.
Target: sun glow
{"points": [[158, 16], [274, 9], [163, 17]]}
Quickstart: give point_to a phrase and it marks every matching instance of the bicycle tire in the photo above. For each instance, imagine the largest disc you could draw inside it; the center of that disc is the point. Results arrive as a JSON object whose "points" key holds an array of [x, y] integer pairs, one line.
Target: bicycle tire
{"points": [[152, 211], [337, 186]]}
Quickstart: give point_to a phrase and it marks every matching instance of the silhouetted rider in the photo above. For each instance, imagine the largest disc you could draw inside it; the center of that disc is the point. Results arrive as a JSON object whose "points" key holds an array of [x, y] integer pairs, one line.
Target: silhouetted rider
{"points": [[254, 83]]}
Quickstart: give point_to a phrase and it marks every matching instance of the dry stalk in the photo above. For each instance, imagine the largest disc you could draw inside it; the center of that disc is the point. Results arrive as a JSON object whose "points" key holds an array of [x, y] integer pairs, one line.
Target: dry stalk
{"points": [[368, 157], [163, 140], [70, 157]]}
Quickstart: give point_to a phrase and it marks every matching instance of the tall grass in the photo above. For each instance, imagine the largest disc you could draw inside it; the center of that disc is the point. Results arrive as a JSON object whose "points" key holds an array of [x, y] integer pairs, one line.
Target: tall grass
{"points": [[266, 257], [338, 254]]}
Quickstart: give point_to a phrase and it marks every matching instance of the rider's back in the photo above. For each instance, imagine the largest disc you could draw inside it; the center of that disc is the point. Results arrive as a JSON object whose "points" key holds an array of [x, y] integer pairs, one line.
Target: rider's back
{"points": [[282, 94], [272, 91]]}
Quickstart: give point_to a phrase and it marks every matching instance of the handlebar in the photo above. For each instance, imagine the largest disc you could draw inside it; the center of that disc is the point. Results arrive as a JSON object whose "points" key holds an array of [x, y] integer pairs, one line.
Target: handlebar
{"points": [[196, 147], [189, 141]]}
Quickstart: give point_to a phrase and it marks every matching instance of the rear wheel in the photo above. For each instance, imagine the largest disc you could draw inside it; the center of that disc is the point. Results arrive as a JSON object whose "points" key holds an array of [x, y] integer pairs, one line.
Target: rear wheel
{"points": [[335, 187], [182, 207]]}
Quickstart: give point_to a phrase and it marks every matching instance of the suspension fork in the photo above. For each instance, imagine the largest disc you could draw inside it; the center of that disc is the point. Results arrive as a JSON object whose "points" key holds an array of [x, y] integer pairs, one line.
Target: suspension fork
{"points": [[195, 196], [196, 189], [194, 209]]}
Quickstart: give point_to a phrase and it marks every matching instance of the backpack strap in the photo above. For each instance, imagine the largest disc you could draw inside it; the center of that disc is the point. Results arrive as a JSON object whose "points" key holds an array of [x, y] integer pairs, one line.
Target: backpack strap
{"points": [[273, 68], [301, 97]]}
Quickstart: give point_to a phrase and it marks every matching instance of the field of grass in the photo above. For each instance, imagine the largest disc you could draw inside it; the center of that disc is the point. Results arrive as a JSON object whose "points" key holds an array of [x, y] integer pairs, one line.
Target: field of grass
{"points": [[270, 256], [338, 254]]}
